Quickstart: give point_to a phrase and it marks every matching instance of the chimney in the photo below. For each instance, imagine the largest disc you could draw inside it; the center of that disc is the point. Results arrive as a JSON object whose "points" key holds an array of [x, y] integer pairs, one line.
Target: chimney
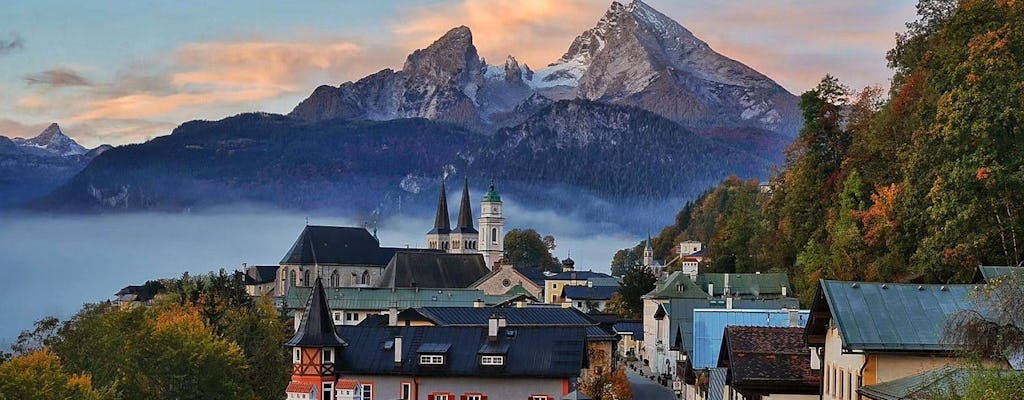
{"points": [[392, 316], [398, 349], [725, 285], [478, 303], [794, 318], [492, 328], [711, 289], [783, 291], [728, 303]]}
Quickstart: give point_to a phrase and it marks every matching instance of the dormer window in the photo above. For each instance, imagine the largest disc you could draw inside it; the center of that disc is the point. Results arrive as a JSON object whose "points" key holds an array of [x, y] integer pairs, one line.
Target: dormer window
{"points": [[492, 360], [328, 356], [431, 359]]}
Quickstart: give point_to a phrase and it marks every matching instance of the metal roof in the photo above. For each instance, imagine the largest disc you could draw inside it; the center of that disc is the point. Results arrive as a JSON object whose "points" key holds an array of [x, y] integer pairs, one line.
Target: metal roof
{"points": [[317, 327], [549, 352], [893, 316], [589, 293], [525, 316], [756, 284], [989, 272], [431, 269], [935, 381], [434, 348], [716, 383], [709, 327], [374, 299], [337, 245], [576, 275], [677, 286], [681, 323]]}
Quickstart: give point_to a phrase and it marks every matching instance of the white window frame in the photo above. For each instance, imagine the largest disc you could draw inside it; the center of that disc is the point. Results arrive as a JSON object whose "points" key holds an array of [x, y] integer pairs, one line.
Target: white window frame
{"points": [[492, 360], [328, 391], [474, 397], [441, 397], [367, 390], [296, 355], [406, 391], [539, 397], [324, 353], [431, 359]]}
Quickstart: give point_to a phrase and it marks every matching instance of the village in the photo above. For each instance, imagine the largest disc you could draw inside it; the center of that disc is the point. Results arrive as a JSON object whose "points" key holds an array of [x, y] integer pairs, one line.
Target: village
{"points": [[456, 320]]}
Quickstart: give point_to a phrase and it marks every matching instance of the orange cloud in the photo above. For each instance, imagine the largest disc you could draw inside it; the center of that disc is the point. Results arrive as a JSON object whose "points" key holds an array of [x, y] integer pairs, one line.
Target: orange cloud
{"points": [[276, 65], [145, 105], [534, 31]]}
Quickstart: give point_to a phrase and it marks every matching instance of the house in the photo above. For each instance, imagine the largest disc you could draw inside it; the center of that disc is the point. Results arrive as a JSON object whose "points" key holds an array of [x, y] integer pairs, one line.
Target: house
{"points": [[345, 256], [554, 284], [600, 342], [135, 294], [260, 280], [767, 363], [870, 333], [432, 269], [631, 337], [987, 272], [350, 306], [589, 298], [505, 276], [655, 350]]}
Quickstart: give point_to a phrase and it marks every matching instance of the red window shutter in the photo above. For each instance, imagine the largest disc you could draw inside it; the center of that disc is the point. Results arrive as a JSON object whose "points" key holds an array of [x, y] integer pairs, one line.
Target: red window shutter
{"points": [[430, 397], [464, 397]]}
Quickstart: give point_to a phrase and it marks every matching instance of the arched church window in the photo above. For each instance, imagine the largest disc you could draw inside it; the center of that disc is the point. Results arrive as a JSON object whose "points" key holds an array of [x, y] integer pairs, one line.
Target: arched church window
{"points": [[291, 279], [335, 279], [305, 278], [365, 280], [494, 235]]}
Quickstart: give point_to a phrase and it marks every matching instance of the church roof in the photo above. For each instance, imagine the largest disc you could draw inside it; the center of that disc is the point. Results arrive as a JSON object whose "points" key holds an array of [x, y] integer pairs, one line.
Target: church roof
{"points": [[337, 245], [442, 223], [465, 212], [433, 270], [492, 195], [317, 327]]}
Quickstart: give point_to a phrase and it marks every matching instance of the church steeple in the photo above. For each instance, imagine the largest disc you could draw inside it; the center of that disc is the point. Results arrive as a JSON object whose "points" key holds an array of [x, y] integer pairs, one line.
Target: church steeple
{"points": [[317, 327], [442, 224], [466, 211]]}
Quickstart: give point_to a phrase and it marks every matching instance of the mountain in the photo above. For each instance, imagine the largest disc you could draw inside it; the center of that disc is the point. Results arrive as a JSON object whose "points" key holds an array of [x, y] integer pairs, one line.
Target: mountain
{"points": [[30, 168], [636, 116]]}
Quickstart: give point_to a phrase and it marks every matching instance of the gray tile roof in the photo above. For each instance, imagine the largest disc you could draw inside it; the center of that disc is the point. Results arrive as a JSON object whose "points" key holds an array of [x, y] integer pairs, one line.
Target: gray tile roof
{"points": [[432, 269], [337, 245]]}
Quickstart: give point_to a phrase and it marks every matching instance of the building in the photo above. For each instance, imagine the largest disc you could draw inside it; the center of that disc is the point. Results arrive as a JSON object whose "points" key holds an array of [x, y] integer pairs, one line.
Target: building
{"points": [[465, 239], [132, 295], [600, 342], [748, 286], [945, 381], [432, 270], [986, 273], [554, 284], [506, 277], [767, 363], [656, 328], [350, 306], [260, 280], [589, 298], [631, 337], [870, 333], [345, 257], [430, 362]]}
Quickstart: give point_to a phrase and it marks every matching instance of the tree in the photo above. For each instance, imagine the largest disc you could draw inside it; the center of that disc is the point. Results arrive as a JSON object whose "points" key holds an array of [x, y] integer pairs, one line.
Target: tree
{"points": [[36, 339], [994, 327], [638, 281], [526, 248], [39, 375]]}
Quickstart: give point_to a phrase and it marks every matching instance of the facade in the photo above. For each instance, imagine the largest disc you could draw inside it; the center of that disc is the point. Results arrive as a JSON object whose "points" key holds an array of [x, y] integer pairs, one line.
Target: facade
{"points": [[870, 333], [343, 256], [631, 337], [556, 283], [489, 241], [656, 340], [430, 362], [506, 277]]}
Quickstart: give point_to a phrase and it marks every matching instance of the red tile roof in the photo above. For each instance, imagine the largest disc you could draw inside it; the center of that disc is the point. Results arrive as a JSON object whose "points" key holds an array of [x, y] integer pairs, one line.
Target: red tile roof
{"points": [[767, 355], [299, 387], [347, 384]]}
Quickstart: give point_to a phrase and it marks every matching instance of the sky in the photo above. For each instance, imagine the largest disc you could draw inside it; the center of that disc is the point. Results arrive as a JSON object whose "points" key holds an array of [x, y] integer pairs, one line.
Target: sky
{"points": [[127, 71]]}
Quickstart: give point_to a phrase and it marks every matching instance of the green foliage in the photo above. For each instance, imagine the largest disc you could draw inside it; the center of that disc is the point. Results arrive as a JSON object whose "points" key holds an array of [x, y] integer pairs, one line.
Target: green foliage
{"points": [[983, 384], [637, 281], [39, 375], [526, 248]]}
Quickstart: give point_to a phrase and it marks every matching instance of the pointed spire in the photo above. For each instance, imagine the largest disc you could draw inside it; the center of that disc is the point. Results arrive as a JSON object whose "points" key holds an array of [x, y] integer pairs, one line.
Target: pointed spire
{"points": [[442, 224], [317, 327], [466, 210]]}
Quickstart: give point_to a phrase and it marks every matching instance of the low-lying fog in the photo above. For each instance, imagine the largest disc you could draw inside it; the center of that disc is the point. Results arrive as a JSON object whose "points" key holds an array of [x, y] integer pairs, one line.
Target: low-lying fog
{"points": [[51, 265]]}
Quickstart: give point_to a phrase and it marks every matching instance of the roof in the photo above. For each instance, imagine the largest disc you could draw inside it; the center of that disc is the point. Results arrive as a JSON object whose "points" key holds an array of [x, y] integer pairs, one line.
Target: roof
{"points": [[317, 327], [465, 212], [136, 293], [492, 195], [589, 293], [681, 326], [535, 275], [299, 387], [337, 245], [918, 386], [635, 328], [716, 383], [576, 275], [531, 351], [677, 286], [988, 273], [442, 223], [710, 324], [887, 316], [756, 284], [478, 316], [347, 384], [768, 360], [344, 298], [259, 274], [432, 269]]}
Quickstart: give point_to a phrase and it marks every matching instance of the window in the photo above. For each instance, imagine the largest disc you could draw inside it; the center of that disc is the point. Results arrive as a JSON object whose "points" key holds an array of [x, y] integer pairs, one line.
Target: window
{"points": [[328, 391], [365, 279], [327, 356], [492, 360], [367, 389], [474, 396], [540, 397], [335, 279], [406, 391], [350, 316], [432, 359], [506, 283], [337, 317], [296, 355], [305, 278], [554, 286], [494, 235], [441, 396], [292, 278]]}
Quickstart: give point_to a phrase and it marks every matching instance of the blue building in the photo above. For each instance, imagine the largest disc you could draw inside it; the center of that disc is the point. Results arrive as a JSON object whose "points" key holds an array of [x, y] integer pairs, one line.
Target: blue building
{"points": [[709, 326]]}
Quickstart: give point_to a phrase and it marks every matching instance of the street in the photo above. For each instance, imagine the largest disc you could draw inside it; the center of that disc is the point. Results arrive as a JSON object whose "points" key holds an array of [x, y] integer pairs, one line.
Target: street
{"points": [[645, 389]]}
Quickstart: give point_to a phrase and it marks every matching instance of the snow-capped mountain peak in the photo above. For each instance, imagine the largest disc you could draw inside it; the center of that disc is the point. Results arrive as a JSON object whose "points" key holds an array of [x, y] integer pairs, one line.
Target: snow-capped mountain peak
{"points": [[55, 141]]}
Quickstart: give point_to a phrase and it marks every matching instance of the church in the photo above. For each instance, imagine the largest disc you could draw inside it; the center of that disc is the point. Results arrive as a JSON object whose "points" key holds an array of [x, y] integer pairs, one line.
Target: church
{"points": [[353, 257]]}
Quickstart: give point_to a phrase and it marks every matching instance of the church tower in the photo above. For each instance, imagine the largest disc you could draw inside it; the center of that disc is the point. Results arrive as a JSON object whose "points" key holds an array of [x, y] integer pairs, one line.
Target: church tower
{"points": [[492, 228], [438, 238], [315, 350], [649, 254], [464, 238]]}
